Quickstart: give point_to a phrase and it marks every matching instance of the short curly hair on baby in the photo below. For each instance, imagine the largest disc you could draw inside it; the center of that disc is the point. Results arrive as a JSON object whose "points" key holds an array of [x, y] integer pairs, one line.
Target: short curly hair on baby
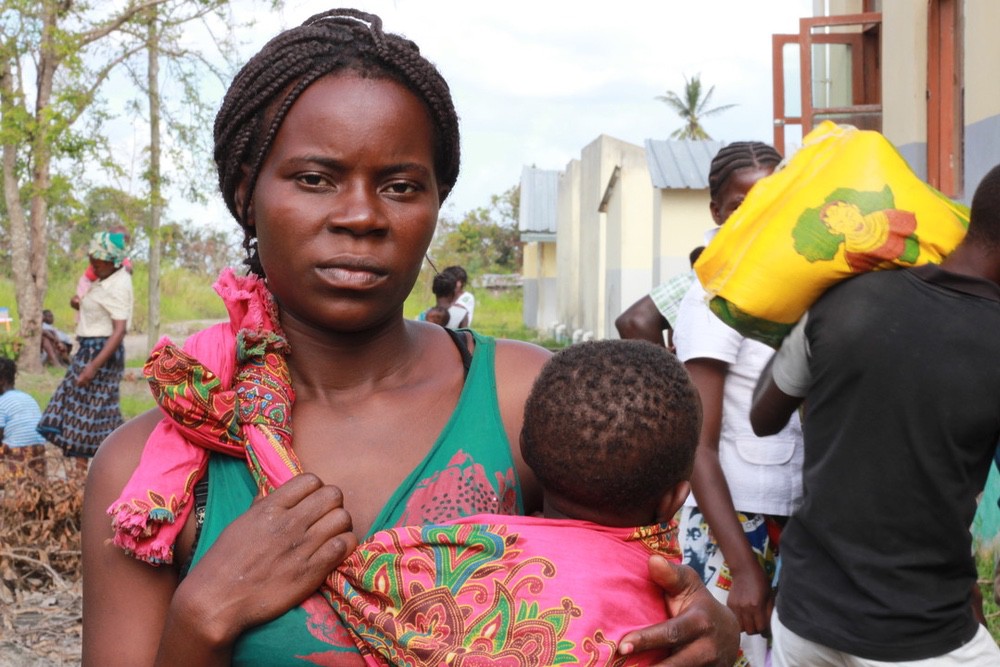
{"points": [[611, 425]]}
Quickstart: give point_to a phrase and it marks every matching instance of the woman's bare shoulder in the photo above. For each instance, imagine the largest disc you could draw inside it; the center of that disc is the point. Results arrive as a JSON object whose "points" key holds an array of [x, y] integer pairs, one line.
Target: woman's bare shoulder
{"points": [[519, 359], [119, 454]]}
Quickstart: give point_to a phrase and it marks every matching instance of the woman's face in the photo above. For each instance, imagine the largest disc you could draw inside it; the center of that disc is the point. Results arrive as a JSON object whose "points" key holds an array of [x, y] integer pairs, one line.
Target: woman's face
{"points": [[346, 203], [735, 190], [102, 267]]}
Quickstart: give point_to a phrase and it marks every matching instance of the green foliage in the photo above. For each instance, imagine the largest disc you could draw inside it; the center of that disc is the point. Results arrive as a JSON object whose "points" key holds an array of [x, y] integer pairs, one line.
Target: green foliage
{"points": [[499, 313], [692, 107], [184, 295], [485, 240], [10, 345], [984, 564]]}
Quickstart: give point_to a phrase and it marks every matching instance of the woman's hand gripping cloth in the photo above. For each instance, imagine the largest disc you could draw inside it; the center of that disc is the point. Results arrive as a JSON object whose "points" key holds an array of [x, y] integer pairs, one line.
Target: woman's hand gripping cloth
{"points": [[844, 204], [227, 391]]}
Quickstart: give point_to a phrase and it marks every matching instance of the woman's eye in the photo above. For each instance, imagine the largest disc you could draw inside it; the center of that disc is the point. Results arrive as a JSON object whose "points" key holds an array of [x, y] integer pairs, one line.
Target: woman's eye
{"points": [[311, 179], [401, 188]]}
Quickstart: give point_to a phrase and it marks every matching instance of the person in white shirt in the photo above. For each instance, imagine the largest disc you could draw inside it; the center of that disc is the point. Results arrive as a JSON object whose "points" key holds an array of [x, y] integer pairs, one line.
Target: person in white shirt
{"points": [[464, 299], [743, 487], [86, 408]]}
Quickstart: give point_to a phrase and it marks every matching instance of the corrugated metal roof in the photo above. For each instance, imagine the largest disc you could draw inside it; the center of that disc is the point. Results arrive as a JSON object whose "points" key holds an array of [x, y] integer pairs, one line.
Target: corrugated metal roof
{"points": [[680, 164], [539, 200]]}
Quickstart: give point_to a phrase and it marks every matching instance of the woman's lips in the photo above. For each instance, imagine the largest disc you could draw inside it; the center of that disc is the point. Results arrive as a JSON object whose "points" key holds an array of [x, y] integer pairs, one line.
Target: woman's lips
{"points": [[347, 276]]}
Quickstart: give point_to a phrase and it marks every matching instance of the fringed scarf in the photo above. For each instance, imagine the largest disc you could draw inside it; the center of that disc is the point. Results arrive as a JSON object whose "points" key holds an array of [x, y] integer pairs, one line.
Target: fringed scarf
{"points": [[227, 391]]}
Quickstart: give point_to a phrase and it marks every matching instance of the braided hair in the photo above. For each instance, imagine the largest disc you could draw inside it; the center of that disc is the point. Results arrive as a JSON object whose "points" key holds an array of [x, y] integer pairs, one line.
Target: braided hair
{"points": [[264, 90], [611, 425], [739, 155]]}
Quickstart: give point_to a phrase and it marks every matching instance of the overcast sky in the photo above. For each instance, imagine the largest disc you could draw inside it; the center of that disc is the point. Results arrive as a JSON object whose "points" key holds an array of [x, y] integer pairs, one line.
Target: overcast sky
{"points": [[534, 81]]}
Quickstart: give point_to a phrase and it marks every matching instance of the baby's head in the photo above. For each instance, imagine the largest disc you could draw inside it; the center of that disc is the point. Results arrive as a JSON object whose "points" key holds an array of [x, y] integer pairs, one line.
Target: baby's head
{"points": [[438, 315], [610, 430]]}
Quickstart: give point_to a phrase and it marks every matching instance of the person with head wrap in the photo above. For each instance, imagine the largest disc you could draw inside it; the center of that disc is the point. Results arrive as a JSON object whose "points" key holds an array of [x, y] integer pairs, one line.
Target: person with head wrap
{"points": [[85, 408], [89, 277]]}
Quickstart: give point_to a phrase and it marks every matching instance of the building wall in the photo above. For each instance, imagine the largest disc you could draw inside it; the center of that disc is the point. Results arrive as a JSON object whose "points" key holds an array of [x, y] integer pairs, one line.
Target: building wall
{"points": [[568, 235], [539, 286], [982, 94], [904, 80], [629, 225], [904, 85], [604, 249], [682, 218]]}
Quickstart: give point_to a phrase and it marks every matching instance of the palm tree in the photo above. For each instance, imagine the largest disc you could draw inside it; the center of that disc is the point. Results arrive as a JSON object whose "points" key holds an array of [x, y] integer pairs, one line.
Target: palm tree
{"points": [[692, 108]]}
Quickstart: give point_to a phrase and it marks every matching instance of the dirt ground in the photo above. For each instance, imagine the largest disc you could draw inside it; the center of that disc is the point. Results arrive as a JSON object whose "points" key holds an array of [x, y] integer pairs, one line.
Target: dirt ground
{"points": [[41, 600]]}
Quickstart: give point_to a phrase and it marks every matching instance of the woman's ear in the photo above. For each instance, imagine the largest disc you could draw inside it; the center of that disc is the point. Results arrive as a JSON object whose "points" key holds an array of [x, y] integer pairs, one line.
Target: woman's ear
{"points": [[716, 213], [239, 197]]}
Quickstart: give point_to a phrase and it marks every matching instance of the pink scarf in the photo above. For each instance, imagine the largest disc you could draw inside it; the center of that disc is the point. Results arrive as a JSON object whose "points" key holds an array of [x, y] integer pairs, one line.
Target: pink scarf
{"points": [[227, 391]]}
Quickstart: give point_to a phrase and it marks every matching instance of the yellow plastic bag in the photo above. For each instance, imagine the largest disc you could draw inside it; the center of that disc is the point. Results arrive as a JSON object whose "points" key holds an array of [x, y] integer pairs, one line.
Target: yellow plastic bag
{"points": [[845, 203]]}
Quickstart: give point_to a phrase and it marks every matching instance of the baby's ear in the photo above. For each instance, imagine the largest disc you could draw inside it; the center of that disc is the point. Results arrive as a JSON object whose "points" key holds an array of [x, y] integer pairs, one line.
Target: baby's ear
{"points": [[672, 501]]}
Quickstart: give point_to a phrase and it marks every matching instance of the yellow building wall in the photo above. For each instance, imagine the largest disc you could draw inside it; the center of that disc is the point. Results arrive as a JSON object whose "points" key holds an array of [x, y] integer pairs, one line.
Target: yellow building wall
{"points": [[540, 296], [682, 218]]}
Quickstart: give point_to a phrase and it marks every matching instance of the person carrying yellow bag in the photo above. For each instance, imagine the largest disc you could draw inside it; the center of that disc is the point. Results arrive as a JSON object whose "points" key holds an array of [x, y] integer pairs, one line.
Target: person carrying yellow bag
{"points": [[845, 203]]}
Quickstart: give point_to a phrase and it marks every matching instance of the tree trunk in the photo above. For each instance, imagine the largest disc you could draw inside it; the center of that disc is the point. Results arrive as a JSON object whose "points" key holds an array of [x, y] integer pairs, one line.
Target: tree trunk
{"points": [[30, 359], [155, 200]]}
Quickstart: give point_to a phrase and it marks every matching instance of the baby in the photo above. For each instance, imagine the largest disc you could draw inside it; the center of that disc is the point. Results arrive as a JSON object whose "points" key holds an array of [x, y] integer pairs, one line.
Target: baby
{"points": [[610, 430]]}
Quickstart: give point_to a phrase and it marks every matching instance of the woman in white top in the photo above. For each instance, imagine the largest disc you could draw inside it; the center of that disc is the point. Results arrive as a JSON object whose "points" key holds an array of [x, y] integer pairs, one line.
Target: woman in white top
{"points": [[85, 408], [743, 487]]}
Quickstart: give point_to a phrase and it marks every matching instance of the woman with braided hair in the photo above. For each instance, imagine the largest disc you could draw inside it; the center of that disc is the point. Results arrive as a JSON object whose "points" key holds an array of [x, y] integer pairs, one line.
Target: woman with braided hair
{"points": [[743, 487], [336, 144]]}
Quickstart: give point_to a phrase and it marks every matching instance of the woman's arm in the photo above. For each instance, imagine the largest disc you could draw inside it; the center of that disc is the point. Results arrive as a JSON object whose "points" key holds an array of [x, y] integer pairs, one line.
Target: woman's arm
{"points": [[750, 594], [266, 562], [89, 371], [124, 601]]}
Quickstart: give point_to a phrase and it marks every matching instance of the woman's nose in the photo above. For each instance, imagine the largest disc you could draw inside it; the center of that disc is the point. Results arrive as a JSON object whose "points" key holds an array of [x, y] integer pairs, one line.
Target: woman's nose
{"points": [[356, 209]]}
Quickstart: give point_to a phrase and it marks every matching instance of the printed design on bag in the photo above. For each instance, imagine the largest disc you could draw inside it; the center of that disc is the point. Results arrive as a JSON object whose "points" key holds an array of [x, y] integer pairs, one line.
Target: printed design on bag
{"points": [[872, 231]]}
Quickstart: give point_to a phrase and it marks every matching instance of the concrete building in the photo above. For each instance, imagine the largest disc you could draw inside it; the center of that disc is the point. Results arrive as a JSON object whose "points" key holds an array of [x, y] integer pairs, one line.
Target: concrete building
{"points": [[922, 73], [537, 223], [679, 172]]}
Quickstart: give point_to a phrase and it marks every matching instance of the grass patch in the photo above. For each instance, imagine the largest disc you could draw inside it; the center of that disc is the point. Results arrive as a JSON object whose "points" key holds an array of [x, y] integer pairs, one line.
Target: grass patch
{"points": [[135, 396], [499, 313], [984, 564], [184, 295]]}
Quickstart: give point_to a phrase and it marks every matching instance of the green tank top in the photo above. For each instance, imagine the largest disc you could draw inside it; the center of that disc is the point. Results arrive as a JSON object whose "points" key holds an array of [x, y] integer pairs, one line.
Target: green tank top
{"points": [[468, 470]]}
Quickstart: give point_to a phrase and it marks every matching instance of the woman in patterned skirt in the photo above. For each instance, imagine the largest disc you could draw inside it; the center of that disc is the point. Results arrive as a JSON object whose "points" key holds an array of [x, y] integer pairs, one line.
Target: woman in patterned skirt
{"points": [[85, 408]]}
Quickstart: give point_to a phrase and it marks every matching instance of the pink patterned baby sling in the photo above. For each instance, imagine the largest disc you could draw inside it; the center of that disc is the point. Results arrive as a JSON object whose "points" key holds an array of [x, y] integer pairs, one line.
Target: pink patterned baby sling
{"points": [[526, 592]]}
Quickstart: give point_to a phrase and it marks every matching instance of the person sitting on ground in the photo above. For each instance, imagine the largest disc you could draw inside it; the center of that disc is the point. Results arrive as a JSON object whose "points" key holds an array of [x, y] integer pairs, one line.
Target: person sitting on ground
{"points": [[610, 430], [463, 298], [23, 449], [56, 344], [656, 313]]}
